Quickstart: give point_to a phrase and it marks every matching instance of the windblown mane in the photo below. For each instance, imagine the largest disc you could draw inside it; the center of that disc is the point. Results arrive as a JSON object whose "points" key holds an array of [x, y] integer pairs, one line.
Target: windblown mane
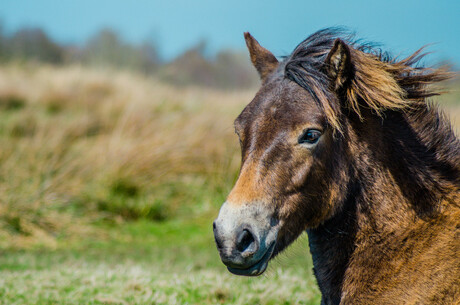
{"points": [[377, 81], [384, 84]]}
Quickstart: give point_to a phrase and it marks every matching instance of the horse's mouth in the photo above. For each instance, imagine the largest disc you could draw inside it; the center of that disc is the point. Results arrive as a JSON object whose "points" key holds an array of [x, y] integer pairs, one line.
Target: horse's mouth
{"points": [[258, 268]]}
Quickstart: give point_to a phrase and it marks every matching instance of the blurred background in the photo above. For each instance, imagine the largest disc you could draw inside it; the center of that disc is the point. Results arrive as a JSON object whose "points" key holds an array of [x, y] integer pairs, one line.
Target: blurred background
{"points": [[117, 145]]}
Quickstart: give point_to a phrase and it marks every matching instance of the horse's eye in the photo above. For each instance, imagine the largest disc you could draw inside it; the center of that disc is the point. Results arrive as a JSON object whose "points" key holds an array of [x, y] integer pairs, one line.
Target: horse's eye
{"points": [[310, 136]]}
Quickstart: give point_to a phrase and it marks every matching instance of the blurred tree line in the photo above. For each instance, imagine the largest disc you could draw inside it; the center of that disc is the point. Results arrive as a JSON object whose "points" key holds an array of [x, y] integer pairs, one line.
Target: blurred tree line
{"points": [[227, 69]]}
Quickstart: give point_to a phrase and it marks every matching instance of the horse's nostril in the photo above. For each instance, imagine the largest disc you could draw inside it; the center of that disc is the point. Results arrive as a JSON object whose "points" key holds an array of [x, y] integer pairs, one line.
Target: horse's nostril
{"points": [[214, 226], [246, 242]]}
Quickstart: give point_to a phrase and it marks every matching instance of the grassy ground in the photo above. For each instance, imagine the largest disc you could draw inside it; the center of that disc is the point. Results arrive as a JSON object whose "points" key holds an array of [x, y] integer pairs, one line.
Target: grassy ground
{"points": [[109, 183], [149, 263]]}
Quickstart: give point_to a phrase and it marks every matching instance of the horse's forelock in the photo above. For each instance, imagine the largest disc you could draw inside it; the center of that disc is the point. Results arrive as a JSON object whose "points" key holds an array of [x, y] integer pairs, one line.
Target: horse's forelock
{"points": [[377, 81]]}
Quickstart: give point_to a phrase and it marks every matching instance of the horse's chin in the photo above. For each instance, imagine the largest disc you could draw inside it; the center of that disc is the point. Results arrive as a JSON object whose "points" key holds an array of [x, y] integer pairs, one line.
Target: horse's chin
{"points": [[259, 267]]}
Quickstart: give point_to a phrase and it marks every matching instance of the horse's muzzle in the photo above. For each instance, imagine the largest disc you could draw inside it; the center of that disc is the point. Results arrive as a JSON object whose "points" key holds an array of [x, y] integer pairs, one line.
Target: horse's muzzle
{"points": [[245, 237]]}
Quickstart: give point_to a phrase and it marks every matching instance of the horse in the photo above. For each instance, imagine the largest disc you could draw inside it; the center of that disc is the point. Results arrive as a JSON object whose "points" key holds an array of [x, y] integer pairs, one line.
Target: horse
{"points": [[343, 142]]}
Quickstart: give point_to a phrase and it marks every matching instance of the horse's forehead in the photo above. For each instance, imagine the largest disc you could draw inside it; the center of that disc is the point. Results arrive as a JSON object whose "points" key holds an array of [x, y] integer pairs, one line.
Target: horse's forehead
{"points": [[281, 100]]}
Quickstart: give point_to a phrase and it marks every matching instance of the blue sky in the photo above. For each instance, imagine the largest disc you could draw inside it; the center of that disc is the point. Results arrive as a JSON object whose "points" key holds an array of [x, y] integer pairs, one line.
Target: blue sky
{"points": [[402, 26]]}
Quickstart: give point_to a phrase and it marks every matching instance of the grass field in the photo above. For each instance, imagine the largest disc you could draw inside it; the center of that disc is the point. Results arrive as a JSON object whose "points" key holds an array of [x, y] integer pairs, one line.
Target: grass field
{"points": [[109, 182], [149, 263]]}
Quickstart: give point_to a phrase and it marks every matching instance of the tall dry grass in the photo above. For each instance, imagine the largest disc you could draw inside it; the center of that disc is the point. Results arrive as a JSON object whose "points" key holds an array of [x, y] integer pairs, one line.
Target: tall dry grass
{"points": [[78, 145]]}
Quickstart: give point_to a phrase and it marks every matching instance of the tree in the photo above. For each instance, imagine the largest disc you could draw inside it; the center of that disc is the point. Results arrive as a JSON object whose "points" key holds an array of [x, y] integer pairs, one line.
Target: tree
{"points": [[32, 43], [108, 49]]}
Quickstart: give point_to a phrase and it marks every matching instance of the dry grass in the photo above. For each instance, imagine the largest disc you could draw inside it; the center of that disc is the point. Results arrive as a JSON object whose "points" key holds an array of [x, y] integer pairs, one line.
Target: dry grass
{"points": [[79, 142]]}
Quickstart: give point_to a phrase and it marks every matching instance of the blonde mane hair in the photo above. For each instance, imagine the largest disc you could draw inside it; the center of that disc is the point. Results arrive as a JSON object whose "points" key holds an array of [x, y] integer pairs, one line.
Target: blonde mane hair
{"points": [[375, 81]]}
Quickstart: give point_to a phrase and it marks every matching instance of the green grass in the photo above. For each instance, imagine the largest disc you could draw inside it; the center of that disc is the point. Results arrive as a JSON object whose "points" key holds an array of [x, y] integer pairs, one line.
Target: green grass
{"points": [[173, 262]]}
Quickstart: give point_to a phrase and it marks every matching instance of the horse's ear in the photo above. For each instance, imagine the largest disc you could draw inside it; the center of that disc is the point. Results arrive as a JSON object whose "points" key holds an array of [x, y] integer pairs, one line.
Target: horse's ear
{"points": [[264, 61], [338, 64]]}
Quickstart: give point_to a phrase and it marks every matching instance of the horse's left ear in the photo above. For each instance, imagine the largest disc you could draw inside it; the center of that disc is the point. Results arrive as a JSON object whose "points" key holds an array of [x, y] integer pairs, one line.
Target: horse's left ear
{"points": [[264, 61], [338, 64]]}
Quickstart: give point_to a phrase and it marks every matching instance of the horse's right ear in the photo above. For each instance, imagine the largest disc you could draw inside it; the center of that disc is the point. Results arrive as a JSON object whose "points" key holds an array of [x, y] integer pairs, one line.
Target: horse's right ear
{"points": [[264, 61], [338, 64]]}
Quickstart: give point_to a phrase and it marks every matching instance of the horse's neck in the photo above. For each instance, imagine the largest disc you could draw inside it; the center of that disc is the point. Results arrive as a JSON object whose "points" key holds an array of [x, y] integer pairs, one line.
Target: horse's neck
{"points": [[391, 234], [409, 161], [394, 186], [367, 212], [331, 245]]}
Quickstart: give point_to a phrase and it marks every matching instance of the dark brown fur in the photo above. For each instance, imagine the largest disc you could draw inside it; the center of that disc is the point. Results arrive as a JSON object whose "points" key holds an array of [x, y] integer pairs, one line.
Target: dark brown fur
{"points": [[379, 196]]}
